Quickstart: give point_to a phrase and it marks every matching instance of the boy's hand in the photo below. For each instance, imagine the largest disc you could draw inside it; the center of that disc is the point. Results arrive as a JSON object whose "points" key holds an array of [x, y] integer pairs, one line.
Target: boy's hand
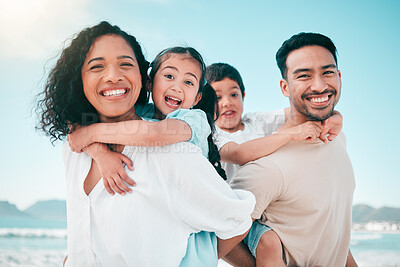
{"points": [[79, 139], [331, 127], [309, 131], [112, 170]]}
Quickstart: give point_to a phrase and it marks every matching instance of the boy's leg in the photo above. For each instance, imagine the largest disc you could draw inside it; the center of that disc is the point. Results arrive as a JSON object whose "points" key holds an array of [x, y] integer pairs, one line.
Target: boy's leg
{"points": [[240, 256], [265, 245], [269, 251]]}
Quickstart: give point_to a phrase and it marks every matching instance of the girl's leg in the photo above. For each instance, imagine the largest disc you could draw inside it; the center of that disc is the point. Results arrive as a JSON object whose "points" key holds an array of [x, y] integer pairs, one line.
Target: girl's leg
{"points": [[201, 250]]}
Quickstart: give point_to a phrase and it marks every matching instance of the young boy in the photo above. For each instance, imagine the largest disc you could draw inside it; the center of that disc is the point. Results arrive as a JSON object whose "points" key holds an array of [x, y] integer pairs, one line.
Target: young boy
{"points": [[243, 139]]}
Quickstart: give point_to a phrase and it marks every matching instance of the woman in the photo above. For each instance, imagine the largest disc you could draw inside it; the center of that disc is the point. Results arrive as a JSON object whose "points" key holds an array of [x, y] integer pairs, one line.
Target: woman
{"points": [[99, 78]]}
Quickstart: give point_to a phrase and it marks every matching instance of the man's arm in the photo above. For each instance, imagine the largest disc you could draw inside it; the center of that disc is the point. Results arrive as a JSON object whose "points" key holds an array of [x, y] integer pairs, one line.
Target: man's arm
{"points": [[240, 256], [225, 246], [350, 260]]}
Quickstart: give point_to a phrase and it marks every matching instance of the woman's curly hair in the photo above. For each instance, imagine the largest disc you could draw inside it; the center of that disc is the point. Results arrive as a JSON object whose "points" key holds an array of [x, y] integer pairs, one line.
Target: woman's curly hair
{"points": [[63, 102]]}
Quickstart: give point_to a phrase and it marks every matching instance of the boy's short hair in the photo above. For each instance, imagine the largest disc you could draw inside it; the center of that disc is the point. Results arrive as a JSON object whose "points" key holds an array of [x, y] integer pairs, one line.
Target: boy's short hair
{"points": [[219, 71], [301, 40]]}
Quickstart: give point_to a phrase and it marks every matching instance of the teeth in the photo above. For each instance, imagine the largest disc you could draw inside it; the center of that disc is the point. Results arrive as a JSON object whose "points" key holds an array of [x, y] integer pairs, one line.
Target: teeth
{"points": [[319, 100], [178, 101], [228, 113], [173, 98], [117, 92]]}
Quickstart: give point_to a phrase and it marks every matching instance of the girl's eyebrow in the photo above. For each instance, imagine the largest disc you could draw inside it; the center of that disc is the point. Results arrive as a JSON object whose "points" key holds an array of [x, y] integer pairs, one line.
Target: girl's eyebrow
{"points": [[102, 58], [176, 69]]}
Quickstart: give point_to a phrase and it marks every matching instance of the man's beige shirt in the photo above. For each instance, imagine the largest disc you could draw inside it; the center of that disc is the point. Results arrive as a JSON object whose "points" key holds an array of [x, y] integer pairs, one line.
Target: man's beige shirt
{"points": [[304, 192]]}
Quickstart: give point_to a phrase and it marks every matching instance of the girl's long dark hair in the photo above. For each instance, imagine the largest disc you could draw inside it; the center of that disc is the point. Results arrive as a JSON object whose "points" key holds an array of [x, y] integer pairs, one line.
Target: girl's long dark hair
{"points": [[208, 102], [63, 102]]}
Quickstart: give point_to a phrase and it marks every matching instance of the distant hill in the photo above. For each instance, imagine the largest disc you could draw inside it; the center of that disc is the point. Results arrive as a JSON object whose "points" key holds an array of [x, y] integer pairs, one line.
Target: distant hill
{"points": [[56, 210], [10, 210], [365, 213], [48, 210]]}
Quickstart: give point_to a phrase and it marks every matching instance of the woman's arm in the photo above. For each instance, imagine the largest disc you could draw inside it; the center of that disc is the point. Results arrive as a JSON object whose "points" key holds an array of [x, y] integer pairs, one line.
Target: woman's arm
{"points": [[254, 149], [133, 132]]}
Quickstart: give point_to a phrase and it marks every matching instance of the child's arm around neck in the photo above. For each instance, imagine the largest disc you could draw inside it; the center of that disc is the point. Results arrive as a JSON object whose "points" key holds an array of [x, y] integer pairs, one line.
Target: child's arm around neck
{"points": [[132, 132], [254, 149], [140, 132]]}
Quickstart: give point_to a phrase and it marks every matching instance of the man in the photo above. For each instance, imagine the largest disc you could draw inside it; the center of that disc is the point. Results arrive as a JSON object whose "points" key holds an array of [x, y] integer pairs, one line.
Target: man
{"points": [[304, 191]]}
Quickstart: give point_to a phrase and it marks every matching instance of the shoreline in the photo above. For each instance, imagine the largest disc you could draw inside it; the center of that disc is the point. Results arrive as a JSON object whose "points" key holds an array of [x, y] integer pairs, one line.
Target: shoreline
{"points": [[376, 226]]}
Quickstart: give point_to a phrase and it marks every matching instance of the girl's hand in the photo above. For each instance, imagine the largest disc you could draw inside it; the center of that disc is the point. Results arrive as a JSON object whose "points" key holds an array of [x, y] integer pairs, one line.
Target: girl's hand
{"points": [[79, 139], [331, 127], [112, 171], [309, 131]]}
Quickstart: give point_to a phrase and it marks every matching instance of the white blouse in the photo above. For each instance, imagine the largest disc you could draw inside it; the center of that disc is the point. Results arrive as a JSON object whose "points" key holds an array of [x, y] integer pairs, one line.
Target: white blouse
{"points": [[178, 192]]}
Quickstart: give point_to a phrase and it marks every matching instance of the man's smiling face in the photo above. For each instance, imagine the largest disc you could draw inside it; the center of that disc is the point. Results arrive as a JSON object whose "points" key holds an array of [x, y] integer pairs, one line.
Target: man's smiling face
{"points": [[312, 83]]}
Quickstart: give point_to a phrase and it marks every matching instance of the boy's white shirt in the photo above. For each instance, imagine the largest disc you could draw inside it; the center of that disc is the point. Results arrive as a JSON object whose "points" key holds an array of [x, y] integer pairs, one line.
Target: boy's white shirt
{"points": [[256, 125]]}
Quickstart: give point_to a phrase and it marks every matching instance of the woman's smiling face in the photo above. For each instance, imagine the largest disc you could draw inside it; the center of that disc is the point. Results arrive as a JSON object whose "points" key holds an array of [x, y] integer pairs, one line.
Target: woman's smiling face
{"points": [[111, 78]]}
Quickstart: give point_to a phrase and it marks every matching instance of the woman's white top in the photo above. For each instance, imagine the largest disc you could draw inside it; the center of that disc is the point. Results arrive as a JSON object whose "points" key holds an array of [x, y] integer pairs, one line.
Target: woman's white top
{"points": [[178, 192]]}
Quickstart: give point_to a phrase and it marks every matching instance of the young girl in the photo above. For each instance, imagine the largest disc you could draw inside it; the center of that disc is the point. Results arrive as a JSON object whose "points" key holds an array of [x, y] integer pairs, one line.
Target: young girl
{"points": [[177, 84]]}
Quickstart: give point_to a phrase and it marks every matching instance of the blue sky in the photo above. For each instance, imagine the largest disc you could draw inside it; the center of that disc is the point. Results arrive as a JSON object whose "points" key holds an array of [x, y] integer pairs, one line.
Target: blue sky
{"points": [[244, 34]]}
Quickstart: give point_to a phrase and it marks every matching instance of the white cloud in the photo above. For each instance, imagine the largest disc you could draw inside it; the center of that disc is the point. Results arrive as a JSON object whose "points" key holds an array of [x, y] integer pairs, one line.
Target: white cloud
{"points": [[30, 29]]}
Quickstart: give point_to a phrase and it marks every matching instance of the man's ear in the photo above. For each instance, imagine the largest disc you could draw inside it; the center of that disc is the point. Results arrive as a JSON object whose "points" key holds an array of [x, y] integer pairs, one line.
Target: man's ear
{"points": [[197, 99], [244, 93], [284, 87]]}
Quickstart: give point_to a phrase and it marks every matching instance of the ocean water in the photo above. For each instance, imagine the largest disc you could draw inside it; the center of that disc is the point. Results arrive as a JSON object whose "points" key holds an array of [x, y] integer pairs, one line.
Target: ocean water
{"points": [[32, 242], [375, 249], [39, 243]]}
